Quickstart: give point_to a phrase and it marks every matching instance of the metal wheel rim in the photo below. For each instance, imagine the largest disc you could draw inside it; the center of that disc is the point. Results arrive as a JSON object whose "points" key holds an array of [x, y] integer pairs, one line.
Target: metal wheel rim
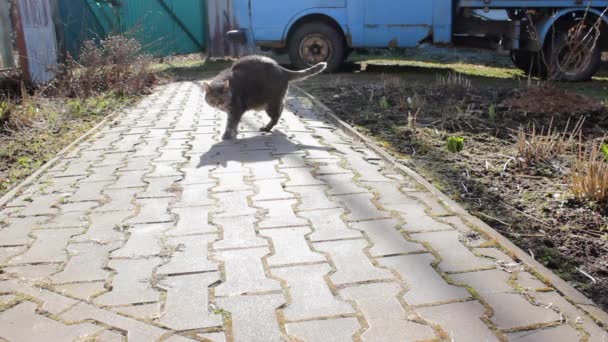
{"points": [[315, 48]]}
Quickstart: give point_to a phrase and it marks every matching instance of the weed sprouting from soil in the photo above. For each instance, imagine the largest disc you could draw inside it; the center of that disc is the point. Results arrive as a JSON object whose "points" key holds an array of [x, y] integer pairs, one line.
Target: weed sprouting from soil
{"points": [[454, 80]]}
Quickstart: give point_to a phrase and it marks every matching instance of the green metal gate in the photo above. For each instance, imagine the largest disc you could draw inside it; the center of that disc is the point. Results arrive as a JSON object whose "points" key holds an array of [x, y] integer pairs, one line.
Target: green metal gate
{"points": [[164, 27]]}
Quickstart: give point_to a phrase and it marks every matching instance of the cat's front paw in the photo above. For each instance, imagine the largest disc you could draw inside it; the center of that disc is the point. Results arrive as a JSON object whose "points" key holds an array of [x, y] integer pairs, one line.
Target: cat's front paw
{"points": [[229, 135], [265, 129]]}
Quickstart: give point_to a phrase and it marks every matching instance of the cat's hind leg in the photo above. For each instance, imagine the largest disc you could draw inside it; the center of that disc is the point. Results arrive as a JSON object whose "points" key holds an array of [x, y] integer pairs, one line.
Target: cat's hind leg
{"points": [[274, 111]]}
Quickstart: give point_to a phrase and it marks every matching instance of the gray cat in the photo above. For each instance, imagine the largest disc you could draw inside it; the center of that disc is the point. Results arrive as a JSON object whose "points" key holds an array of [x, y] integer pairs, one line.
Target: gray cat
{"points": [[253, 83]]}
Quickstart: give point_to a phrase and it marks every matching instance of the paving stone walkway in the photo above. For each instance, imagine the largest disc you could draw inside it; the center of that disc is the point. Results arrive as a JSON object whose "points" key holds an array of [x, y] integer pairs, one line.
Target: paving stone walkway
{"points": [[154, 230]]}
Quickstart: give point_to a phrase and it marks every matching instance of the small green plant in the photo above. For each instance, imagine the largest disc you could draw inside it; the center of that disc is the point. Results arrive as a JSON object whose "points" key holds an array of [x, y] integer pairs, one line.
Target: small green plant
{"points": [[492, 112], [384, 103], [75, 107], [605, 151], [455, 144]]}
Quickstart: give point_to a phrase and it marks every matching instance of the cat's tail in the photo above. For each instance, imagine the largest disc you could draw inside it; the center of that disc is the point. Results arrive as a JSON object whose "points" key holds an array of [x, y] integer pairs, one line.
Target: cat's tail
{"points": [[306, 73]]}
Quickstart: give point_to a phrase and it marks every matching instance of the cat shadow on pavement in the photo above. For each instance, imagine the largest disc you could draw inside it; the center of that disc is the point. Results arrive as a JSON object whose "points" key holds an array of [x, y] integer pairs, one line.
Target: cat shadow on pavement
{"points": [[258, 148]]}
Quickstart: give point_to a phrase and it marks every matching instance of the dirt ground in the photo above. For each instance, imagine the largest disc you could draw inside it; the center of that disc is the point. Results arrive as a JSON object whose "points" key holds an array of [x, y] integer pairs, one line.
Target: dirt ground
{"points": [[486, 102]]}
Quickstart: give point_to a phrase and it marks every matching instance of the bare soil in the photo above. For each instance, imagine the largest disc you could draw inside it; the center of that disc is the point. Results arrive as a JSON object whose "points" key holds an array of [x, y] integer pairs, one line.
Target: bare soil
{"points": [[528, 202]]}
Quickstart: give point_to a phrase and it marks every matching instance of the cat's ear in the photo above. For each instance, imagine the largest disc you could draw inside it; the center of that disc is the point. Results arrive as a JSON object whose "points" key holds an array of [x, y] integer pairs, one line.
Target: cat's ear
{"points": [[226, 84], [206, 86]]}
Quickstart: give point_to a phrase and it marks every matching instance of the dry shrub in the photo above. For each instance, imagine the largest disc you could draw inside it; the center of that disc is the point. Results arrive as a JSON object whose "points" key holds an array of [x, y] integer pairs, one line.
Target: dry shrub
{"points": [[117, 64], [542, 146], [589, 177], [550, 100]]}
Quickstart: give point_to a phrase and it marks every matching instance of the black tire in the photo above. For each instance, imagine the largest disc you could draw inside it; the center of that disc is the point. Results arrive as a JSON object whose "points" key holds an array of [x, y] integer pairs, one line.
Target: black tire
{"points": [[316, 42], [572, 59], [529, 62]]}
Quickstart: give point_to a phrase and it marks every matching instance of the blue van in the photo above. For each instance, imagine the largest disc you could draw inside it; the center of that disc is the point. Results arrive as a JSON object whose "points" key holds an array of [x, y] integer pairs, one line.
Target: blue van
{"points": [[557, 38]]}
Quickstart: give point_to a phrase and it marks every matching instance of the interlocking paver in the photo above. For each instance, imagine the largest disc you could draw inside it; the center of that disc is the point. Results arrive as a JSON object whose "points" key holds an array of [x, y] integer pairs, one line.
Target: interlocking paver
{"points": [[23, 318], [352, 265], [238, 232], [360, 207], [86, 263], [461, 321], [254, 317], [190, 255], [280, 214], [312, 197], [328, 225], [455, 256], [245, 273], [49, 246], [385, 237], [386, 317], [132, 282], [154, 229], [310, 295], [327, 330], [187, 304], [143, 241], [425, 285], [290, 246]]}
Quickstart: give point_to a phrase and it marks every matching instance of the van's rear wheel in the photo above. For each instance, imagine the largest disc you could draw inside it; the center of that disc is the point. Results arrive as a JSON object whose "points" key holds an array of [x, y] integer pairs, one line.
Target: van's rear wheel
{"points": [[574, 55], [529, 62], [316, 42]]}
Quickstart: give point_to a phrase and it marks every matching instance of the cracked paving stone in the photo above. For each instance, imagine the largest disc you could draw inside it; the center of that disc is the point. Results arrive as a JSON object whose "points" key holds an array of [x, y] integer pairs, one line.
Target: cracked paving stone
{"points": [[238, 232], [48, 247], [425, 285], [311, 297], [32, 271], [462, 326], [528, 281], [385, 238], [192, 220], [432, 202], [494, 253], [18, 229], [312, 197], [194, 196], [234, 204], [187, 303], [6, 299], [557, 302], [132, 282], [119, 200], [290, 246], [164, 169], [560, 333], [245, 272], [455, 257], [190, 255], [360, 207], [136, 331], [101, 174], [301, 176], [385, 315], [253, 317], [51, 301], [89, 192], [213, 337], [352, 265], [143, 241], [141, 311], [264, 170], [152, 210], [105, 227], [279, 214], [85, 291], [42, 205], [271, 189], [129, 179], [388, 193], [329, 330], [86, 263], [9, 252], [342, 184], [67, 220], [137, 164], [289, 161], [195, 176], [416, 219], [22, 323], [513, 311], [331, 168], [486, 282], [159, 187], [328, 225]]}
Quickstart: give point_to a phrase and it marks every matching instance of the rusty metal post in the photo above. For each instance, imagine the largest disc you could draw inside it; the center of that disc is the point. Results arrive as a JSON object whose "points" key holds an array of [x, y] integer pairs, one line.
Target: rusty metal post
{"points": [[20, 41]]}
